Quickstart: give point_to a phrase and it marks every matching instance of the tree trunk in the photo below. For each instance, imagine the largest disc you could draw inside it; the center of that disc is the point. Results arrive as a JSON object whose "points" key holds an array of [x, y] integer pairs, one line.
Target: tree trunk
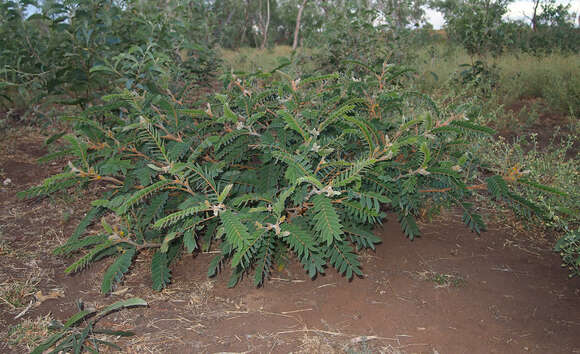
{"points": [[265, 40], [246, 21], [535, 15], [297, 29]]}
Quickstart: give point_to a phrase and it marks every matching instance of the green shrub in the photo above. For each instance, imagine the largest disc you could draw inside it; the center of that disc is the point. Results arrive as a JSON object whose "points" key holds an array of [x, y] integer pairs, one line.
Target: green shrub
{"points": [[478, 26], [271, 167], [56, 55], [569, 249], [550, 166]]}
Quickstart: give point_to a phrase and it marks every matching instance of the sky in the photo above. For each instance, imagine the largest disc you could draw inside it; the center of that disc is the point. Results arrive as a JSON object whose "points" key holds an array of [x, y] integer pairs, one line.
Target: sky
{"points": [[516, 10]]}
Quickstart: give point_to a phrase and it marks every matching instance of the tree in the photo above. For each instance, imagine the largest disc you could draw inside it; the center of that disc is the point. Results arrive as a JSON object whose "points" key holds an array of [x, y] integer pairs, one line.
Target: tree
{"points": [[264, 24], [401, 13], [535, 15], [477, 25], [297, 29]]}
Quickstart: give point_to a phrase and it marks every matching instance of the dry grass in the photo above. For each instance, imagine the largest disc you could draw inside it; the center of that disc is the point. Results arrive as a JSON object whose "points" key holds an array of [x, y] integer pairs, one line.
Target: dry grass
{"points": [[200, 294], [252, 59], [314, 344], [29, 333], [554, 78], [17, 293]]}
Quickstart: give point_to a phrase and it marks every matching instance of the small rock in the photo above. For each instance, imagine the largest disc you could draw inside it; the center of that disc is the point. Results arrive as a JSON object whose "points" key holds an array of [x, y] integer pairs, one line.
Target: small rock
{"points": [[7, 181]]}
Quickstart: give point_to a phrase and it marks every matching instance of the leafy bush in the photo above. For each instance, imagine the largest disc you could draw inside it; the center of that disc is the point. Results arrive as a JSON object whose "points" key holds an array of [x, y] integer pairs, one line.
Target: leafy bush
{"points": [[478, 26], [550, 166], [57, 55], [350, 34], [552, 31], [271, 167]]}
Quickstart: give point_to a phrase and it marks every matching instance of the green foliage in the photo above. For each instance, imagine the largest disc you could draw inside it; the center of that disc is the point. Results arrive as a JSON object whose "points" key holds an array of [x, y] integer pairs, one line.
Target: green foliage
{"points": [[552, 30], [271, 166], [117, 269], [70, 52], [478, 26], [79, 335], [529, 171], [546, 178], [569, 249], [160, 271]]}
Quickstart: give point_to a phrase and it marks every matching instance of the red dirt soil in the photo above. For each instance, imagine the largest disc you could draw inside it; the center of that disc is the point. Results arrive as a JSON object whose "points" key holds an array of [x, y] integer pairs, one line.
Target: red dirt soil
{"points": [[447, 292]]}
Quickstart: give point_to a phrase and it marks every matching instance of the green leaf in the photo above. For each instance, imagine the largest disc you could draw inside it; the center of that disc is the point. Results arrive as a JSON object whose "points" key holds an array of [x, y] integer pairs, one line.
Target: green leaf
{"points": [[142, 194], [280, 204], [343, 258], [116, 270], [224, 193], [353, 173], [338, 113], [363, 238], [473, 220], [236, 232], [107, 227], [52, 340], [77, 317], [243, 255], [93, 214], [86, 259], [160, 273], [155, 208], [294, 123], [132, 302], [174, 218], [541, 187], [166, 240], [189, 241], [327, 221], [409, 226], [264, 259]]}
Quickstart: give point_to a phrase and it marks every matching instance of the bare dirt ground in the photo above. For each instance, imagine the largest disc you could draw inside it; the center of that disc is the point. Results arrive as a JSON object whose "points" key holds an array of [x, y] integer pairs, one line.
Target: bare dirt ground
{"points": [[447, 292]]}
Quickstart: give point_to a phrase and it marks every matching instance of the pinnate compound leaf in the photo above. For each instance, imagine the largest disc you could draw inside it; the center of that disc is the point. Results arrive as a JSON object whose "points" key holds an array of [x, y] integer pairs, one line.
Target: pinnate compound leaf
{"points": [[116, 270], [160, 273], [236, 232], [327, 221]]}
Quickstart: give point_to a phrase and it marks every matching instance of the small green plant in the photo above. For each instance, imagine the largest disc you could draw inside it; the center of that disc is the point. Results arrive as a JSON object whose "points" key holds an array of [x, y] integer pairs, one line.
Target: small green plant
{"points": [[569, 249], [78, 334], [446, 280]]}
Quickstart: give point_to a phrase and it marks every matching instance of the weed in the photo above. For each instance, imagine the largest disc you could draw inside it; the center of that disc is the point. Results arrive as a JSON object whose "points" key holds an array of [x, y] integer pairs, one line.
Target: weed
{"points": [[569, 249], [447, 280], [550, 165], [442, 280]]}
